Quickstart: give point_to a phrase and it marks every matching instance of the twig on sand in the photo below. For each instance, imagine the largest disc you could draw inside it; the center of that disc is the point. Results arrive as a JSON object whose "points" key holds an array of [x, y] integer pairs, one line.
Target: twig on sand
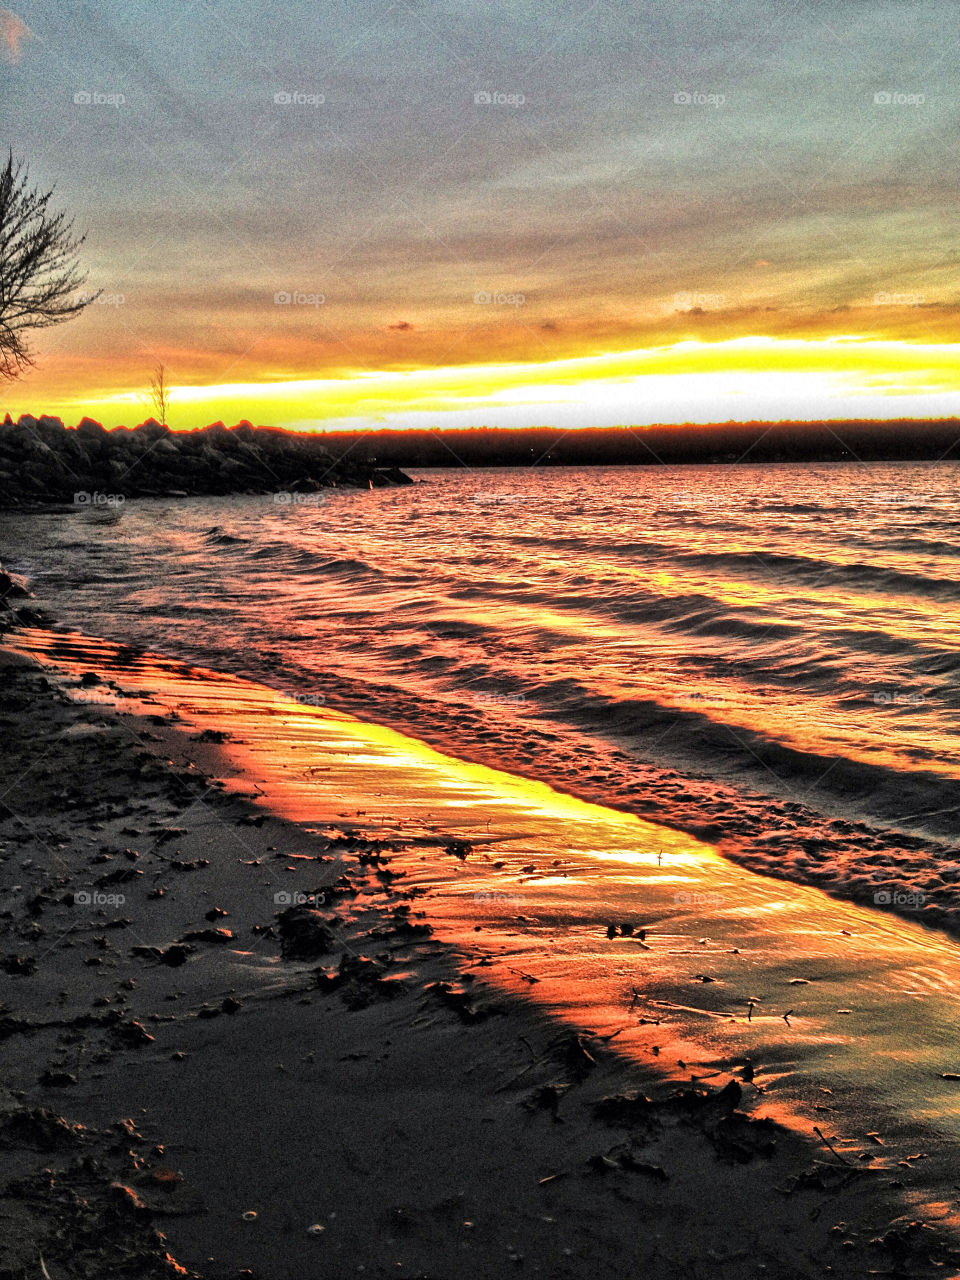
{"points": [[829, 1145], [786, 1016], [527, 977]]}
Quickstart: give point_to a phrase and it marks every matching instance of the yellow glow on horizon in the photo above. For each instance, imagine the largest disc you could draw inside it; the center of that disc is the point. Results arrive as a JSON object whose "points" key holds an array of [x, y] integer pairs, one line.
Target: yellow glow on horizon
{"points": [[730, 375]]}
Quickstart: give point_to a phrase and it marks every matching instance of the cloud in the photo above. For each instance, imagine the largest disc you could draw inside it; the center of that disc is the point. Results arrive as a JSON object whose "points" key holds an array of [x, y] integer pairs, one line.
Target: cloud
{"points": [[401, 325], [12, 31]]}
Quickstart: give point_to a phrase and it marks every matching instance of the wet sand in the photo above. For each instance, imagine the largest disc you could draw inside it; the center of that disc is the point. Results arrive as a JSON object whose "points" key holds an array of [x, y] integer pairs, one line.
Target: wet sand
{"points": [[414, 1059]]}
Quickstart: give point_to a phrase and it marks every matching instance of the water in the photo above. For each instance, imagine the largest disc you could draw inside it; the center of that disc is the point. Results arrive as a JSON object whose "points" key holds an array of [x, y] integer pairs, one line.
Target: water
{"points": [[846, 1016], [762, 656]]}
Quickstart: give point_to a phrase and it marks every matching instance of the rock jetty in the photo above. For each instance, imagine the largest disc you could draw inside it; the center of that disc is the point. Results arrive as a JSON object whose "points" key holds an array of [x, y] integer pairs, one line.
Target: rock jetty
{"points": [[43, 461]]}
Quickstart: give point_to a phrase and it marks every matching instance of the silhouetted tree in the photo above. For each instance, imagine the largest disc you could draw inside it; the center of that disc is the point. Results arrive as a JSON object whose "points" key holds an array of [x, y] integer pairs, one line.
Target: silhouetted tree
{"points": [[158, 397], [39, 273]]}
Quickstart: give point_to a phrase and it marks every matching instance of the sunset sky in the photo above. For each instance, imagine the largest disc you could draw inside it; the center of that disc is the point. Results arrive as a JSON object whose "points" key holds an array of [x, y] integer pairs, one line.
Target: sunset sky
{"points": [[669, 211]]}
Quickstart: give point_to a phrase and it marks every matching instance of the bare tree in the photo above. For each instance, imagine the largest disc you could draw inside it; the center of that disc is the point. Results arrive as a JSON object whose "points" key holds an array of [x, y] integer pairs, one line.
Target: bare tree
{"points": [[39, 273], [158, 397]]}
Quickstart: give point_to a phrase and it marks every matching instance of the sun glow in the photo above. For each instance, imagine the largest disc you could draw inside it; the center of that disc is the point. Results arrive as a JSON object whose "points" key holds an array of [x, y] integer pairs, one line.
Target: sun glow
{"points": [[695, 381]]}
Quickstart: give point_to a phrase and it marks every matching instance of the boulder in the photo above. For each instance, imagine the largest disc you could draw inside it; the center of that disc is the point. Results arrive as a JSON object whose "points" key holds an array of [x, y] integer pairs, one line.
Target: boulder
{"points": [[41, 460]]}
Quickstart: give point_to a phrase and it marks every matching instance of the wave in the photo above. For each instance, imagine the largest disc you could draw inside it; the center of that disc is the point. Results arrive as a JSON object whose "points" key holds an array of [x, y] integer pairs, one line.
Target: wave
{"points": [[218, 538], [776, 632]]}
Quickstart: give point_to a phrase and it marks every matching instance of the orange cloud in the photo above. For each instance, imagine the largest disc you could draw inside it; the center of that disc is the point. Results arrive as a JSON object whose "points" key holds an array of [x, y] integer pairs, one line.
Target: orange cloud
{"points": [[12, 31]]}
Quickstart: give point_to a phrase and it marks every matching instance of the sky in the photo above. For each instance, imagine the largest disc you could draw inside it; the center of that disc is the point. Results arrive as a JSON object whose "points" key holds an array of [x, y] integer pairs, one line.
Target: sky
{"points": [[473, 212]]}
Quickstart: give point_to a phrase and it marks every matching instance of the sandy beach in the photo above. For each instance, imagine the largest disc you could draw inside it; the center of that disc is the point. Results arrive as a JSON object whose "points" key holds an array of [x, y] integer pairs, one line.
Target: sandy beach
{"points": [[268, 1026]]}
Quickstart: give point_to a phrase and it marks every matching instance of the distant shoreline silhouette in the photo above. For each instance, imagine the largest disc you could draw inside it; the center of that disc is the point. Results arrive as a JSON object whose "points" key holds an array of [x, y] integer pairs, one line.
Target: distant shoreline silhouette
{"points": [[860, 440]]}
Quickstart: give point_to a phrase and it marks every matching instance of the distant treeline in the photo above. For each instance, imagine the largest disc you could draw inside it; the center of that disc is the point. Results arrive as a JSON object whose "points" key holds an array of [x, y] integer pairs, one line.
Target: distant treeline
{"points": [[730, 442]]}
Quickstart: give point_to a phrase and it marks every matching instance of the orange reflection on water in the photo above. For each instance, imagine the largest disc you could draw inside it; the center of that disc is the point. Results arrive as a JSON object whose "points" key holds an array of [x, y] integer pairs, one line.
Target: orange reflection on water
{"points": [[729, 966]]}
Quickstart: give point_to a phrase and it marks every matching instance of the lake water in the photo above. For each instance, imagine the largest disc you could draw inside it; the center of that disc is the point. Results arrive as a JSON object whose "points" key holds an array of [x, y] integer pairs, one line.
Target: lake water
{"points": [[762, 656]]}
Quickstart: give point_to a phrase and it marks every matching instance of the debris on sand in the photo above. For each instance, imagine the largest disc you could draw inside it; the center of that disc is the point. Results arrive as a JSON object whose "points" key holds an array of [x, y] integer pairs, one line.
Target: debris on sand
{"points": [[359, 981], [576, 1056], [458, 849], [734, 1135], [84, 1202], [547, 1098], [220, 936], [304, 934], [626, 1110], [622, 1158], [133, 1034], [458, 998], [58, 1079], [173, 956], [39, 1128]]}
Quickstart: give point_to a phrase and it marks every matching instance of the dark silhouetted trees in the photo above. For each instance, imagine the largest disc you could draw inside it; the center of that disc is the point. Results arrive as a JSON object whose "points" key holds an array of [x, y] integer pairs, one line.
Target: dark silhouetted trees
{"points": [[40, 277]]}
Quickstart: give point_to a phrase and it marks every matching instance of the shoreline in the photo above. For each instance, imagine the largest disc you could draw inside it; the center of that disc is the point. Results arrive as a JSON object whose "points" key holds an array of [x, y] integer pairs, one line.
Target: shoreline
{"points": [[462, 1071]]}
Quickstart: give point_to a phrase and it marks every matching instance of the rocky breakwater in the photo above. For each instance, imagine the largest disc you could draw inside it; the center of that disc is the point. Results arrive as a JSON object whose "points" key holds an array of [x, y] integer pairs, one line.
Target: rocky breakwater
{"points": [[14, 611], [42, 461]]}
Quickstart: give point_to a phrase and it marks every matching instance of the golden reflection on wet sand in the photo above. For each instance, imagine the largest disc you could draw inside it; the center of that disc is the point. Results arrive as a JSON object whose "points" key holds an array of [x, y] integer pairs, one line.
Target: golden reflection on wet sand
{"points": [[847, 1014]]}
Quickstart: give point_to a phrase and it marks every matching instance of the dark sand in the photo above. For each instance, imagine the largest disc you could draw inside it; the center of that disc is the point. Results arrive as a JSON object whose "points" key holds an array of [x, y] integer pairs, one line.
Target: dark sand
{"points": [[342, 1094]]}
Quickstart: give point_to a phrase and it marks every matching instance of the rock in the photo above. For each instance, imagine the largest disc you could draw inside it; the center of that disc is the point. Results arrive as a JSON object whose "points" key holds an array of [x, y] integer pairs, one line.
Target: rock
{"points": [[174, 955], [458, 849], [58, 1079], [304, 934], [626, 1110], [209, 935], [42, 460], [458, 999], [133, 1034], [40, 1128], [12, 586]]}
